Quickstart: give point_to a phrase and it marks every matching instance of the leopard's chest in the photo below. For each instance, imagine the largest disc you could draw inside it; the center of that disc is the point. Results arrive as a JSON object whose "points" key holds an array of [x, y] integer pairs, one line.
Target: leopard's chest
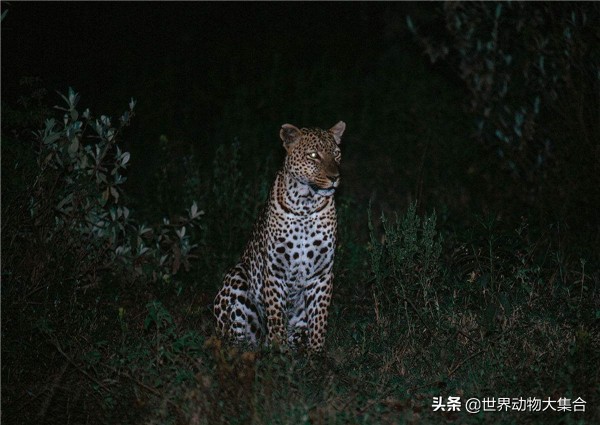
{"points": [[301, 247]]}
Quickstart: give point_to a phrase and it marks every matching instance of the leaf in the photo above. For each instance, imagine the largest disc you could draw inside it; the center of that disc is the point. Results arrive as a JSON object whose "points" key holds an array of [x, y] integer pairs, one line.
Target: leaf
{"points": [[125, 117], [50, 123], [411, 25], [64, 97], [101, 177], [72, 95], [51, 138], [114, 193], [536, 105], [99, 130], [66, 200], [498, 10], [193, 210], [73, 146]]}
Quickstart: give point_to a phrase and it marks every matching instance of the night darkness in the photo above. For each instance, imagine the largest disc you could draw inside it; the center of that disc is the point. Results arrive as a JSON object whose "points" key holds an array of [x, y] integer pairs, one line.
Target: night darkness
{"points": [[100, 44], [467, 260]]}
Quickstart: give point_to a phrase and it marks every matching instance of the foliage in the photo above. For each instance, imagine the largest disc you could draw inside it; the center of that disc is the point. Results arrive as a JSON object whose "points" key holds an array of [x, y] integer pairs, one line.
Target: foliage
{"points": [[67, 233], [481, 304], [517, 60], [76, 201], [532, 73], [406, 264]]}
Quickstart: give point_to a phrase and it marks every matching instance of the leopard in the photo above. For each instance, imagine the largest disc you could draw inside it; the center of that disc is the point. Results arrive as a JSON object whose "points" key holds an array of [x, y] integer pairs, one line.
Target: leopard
{"points": [[280, 291]]}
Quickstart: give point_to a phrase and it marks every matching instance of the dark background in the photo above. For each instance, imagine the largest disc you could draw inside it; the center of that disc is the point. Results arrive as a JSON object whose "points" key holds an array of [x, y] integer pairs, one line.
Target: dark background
{"points": [[104, 48], [209, 38], [185, 63], [208, 73]]}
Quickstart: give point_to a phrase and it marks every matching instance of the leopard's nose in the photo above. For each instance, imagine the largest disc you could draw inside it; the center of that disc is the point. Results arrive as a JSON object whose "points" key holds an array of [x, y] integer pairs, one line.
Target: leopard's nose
{"points": [[332, 172]]}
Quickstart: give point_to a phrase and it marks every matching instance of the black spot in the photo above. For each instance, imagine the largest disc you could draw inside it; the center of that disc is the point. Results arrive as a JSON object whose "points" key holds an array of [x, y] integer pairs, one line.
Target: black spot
{"points": [[280, 249], [310, 254], [317, 242]]}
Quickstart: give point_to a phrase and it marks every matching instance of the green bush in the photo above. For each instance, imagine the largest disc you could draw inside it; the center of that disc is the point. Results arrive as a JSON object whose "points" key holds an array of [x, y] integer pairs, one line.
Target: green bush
{"points": [[532, 74], [517, 61], [405, 261], [487, 310], [75, 201], [71, 245]]}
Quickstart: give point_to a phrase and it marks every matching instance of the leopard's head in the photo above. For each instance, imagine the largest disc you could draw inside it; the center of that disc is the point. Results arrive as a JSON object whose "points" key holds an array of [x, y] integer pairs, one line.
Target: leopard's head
{"points": [[313, 156]]}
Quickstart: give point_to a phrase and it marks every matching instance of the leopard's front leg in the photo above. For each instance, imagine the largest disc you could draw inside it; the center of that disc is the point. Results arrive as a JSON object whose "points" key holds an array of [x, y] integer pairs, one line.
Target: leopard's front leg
{"points": [[274, 300], [318, 311]]}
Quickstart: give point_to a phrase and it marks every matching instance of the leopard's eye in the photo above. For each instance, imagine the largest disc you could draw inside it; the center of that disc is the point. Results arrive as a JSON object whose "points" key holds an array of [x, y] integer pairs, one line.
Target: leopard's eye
{"points": [[313, 155]]}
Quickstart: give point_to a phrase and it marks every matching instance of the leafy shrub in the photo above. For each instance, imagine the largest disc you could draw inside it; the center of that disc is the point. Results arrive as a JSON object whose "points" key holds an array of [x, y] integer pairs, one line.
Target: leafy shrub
{"points": [[532, 73], [519, 61], [492, 302], [70, 244], [75, 202], [406, 265]]}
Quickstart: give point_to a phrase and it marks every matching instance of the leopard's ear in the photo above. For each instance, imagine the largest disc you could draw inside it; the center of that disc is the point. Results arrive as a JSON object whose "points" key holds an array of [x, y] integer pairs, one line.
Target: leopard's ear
{"points": [[337, 131], [290, 134]]}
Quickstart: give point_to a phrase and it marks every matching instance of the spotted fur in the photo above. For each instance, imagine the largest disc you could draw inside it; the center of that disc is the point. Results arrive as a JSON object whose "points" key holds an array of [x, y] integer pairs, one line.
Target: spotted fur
{"points": [[281, 289]]}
